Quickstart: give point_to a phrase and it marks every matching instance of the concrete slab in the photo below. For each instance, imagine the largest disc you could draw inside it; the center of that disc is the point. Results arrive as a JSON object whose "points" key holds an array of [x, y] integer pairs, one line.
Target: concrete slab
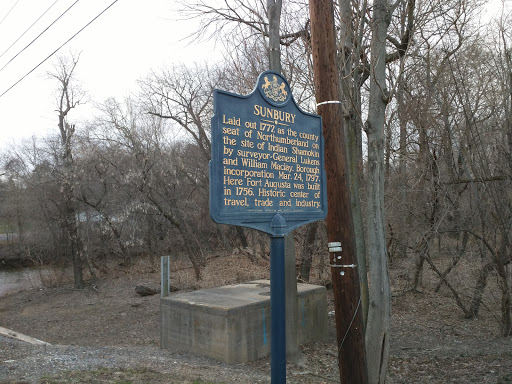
{"points": [[19, 336], [232, 323]]}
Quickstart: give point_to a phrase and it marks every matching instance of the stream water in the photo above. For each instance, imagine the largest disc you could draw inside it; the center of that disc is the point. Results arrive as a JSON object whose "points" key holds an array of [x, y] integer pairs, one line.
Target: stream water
{"points": [[19, 280]]}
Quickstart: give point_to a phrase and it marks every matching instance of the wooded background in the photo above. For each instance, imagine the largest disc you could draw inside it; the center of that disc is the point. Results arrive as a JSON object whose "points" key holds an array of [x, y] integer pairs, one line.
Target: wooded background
{"points": [[132, 180]]}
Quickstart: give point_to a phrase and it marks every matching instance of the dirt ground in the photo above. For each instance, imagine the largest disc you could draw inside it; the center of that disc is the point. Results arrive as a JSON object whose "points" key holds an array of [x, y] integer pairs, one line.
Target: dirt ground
{"points": [[107, 333]]}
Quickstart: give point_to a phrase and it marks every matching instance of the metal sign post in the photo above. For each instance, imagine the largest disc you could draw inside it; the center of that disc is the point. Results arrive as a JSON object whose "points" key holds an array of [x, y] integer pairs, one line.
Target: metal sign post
{"points": [[267, 173], [277, 303]]}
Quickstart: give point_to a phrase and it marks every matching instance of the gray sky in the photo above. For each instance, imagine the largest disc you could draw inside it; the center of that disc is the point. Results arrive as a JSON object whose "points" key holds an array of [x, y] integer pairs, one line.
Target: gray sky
{"points": [[122, 45]]}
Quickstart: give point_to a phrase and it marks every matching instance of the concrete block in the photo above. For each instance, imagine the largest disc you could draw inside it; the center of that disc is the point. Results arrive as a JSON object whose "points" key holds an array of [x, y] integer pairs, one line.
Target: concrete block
{"points": [[232, 323]]}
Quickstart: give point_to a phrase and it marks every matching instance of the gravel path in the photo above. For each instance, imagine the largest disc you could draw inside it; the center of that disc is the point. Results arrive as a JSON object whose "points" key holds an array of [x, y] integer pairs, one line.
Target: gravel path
{"points": [[23, 362]]}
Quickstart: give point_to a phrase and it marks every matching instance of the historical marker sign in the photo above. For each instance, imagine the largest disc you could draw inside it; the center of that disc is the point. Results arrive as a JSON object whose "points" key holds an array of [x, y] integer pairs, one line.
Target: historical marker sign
{"points": [[267, 158]]}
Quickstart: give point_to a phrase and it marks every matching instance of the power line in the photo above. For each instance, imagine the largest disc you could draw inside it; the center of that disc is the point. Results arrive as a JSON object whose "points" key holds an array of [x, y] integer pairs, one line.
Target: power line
{"points": [[53, 53], [38, 36], [26, 30], [10, 10]]}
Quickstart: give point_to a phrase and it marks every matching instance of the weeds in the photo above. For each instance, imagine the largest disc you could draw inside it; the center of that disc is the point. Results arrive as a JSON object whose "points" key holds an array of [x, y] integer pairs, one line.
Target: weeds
{"points": [[119, 376]]}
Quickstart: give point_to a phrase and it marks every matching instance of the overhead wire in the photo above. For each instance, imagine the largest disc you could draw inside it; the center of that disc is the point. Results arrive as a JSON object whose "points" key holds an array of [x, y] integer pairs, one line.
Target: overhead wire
{"points": [[38, 36], [55, 51], [28, 29], [10, 10]]}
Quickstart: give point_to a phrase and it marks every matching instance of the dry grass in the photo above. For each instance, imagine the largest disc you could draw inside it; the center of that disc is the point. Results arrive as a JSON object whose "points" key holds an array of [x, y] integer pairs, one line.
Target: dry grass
{"points": [[431, 342]]}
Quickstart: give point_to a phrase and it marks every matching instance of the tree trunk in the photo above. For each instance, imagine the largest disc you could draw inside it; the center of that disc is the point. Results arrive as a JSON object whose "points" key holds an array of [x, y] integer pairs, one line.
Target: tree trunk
{"points": [[274, 40], [501, 261], [481, 283], [241, 236], [306, 258], [74, 248], [74, 244], [221, 231], [420, 261], [401, 248], [379, 315], [192, 246], [69, 98], [351, 93]]}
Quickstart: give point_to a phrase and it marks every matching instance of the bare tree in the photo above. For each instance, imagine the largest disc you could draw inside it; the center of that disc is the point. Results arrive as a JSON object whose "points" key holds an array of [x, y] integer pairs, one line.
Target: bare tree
{"points": [[379, 315], [448, 158], [155, 174], [69, 97]]}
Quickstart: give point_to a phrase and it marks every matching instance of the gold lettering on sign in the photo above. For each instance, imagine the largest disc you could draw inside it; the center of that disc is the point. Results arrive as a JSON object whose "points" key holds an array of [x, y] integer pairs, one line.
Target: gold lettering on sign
{"points": [[276, 168], [254, 155], [253, 163], [270, 192], [231, 121], [274, 114], [304, 152], [277, 148], [230, 131], [236, 202], [282, 140], [263, 203]]}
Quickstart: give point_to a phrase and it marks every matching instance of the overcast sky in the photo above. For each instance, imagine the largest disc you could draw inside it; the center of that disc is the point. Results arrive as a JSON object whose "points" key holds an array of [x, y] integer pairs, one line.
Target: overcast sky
{"points": [[118, 48]]}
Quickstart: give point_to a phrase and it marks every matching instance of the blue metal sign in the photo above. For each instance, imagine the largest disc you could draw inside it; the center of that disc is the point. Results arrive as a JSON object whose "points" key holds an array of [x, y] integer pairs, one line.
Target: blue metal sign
{"points": [[267, 159]]}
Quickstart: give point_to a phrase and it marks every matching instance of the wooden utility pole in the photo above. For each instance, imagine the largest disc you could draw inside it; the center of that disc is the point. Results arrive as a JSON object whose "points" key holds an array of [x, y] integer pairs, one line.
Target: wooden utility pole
{"points": [[345, 280]]}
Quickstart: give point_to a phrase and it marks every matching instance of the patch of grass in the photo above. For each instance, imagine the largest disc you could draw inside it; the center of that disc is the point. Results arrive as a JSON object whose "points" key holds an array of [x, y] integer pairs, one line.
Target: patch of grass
{"points": [[109, 376], [119, 376]]}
